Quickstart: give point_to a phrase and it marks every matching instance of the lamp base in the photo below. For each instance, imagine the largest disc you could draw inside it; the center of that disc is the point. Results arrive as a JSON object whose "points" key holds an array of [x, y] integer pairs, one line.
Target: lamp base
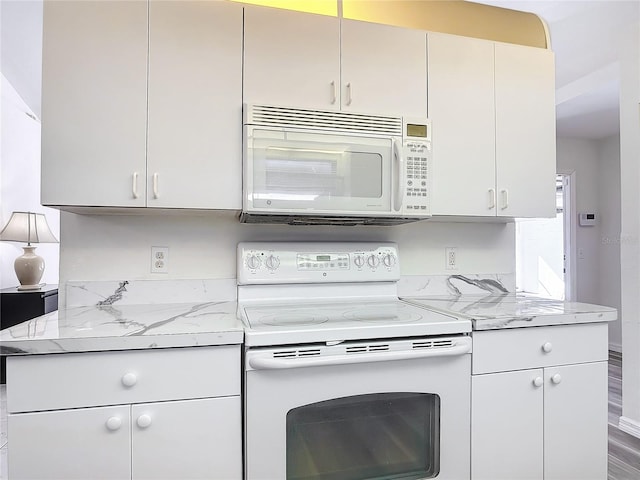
{"points": [[29, 268], [30, 287]]}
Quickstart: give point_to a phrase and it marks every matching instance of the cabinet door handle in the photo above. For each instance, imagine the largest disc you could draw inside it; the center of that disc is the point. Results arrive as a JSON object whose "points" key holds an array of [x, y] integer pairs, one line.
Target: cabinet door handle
{"points": [[556, 379], [547, 347], [144, 421], [129, 379], [492, 198], [155, 185], [114, 423], [349, 99], [333, 92], [538, 381], [505, 198], [134, 187]]}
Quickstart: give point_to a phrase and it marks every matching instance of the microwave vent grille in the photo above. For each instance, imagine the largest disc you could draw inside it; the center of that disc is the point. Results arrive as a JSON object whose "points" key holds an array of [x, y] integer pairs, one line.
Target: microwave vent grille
{"points": [[323, 120]]}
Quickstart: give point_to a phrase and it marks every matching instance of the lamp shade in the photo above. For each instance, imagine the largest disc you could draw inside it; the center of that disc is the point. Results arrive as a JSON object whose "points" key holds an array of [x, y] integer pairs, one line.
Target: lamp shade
{"points": [[27, 227]]}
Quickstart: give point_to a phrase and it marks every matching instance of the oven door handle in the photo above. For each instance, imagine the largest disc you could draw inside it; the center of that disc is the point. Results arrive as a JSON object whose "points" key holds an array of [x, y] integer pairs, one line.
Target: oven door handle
{"points": [[269, 363]]}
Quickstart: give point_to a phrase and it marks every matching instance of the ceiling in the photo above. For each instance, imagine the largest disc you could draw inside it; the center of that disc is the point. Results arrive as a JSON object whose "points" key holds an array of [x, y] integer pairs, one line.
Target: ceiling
{"points": [[583, 36]]}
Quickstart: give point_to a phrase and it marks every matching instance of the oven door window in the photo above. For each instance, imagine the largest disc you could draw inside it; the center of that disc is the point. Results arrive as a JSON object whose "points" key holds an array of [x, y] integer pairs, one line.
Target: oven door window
{"points": [[374, 436]]}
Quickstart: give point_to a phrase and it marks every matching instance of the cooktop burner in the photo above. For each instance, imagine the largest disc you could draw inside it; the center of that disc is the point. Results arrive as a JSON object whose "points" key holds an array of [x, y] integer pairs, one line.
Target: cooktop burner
{"points": [[397, 313], [293, 319]]}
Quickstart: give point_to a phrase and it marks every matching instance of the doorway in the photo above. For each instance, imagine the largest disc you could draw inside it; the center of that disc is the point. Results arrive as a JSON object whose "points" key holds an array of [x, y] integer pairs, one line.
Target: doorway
{"points": [[543, 248]]}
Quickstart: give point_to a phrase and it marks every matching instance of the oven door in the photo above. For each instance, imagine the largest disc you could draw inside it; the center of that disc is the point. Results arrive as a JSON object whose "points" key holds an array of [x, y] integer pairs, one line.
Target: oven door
{"points": [[365, 410], [296, 171]]}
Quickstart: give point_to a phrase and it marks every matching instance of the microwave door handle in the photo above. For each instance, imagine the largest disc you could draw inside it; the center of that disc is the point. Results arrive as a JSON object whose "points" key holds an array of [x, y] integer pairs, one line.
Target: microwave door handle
{"points": [[400, 181]]}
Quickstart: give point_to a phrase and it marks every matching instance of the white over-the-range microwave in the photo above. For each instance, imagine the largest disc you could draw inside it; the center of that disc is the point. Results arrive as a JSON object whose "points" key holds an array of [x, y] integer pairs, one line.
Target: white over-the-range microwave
{"points": [[304, 166]]}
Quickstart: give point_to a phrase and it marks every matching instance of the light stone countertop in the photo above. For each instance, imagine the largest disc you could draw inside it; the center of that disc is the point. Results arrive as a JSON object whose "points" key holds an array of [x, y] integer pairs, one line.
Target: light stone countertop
{"points": [[510, 310], [125, 327]]}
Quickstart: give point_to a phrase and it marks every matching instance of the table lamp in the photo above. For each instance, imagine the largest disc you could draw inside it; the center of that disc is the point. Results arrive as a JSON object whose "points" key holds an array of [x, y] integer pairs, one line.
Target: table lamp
{"points": [[31, 228]]}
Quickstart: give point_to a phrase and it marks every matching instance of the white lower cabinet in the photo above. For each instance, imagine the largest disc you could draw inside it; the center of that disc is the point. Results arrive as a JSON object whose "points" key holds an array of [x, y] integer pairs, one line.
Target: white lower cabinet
{"points": [[70, 444], [198, 438], [540, 423]]}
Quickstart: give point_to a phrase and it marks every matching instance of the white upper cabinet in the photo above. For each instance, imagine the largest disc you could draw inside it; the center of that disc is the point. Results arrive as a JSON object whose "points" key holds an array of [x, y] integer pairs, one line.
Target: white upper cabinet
{"points": [[525, 131], [462, 112], [291, 58], [195, 105], [493, 111], [315, 61], [94, 103], [115, 72], [384, 69]]}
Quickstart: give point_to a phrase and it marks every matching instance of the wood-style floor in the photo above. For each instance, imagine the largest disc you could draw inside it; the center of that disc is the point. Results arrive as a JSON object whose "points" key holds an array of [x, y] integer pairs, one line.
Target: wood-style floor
{"points": [[624, 449]]}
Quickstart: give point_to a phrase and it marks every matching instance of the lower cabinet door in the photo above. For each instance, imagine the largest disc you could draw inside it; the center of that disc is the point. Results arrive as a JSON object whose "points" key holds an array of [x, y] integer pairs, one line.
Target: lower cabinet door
{"points": [[507, 425], [191, 439], [70, 444], [575, 422]]}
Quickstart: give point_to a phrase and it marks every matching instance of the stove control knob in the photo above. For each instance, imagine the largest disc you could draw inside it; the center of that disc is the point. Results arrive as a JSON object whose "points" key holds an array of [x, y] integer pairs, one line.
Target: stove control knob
{"points": [[389, 260], [373, 261], [359, 261], [253, 262], [272, 262]]}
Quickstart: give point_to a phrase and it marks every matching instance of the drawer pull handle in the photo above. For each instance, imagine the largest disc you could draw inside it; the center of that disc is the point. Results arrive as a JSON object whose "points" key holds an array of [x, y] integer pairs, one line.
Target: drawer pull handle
{"points": [[144, 421], [538, 381], [547, 347], [129, 379], [114, 423], [556, 379]]}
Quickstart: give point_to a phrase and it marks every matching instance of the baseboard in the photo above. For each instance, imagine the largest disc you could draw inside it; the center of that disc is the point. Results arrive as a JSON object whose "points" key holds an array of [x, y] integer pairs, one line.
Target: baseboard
{"points": [[632, 427]]}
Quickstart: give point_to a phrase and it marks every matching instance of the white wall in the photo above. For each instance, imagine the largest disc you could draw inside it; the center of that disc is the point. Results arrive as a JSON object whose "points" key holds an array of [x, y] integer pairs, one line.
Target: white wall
{"points": [[20, 183], [111, 247], [597, 187], [630, 225], [582, 156], [609, 256]]}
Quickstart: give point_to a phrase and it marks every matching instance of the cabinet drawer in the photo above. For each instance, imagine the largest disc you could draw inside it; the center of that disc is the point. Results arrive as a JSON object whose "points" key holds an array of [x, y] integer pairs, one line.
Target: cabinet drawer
{"points": [[70, 380], [520, 348]]}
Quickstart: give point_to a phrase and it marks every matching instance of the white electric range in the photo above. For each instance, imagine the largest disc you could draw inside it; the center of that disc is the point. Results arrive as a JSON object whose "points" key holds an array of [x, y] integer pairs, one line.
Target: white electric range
{"points": [[342, 379]]}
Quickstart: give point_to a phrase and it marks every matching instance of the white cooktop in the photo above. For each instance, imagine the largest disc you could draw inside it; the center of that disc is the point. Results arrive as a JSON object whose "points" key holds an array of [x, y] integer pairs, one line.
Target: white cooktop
{"points": [[294, 293], [315, 322]]}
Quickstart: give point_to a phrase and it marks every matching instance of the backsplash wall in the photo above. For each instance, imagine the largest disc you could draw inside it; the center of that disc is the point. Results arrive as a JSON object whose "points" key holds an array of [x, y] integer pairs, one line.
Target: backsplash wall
{"points": [[203, 246]]}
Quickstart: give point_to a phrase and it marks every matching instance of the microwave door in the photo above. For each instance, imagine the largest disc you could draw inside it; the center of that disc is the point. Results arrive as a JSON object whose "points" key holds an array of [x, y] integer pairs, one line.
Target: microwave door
{"points": [[321, 173]]}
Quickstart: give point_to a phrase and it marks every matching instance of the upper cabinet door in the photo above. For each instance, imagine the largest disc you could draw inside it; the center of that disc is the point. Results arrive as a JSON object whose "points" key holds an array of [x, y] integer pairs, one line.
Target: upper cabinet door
{"points": [[291, 58], [384, 69], [525, 131], [195, 105], [462, 111], [94, 103]]}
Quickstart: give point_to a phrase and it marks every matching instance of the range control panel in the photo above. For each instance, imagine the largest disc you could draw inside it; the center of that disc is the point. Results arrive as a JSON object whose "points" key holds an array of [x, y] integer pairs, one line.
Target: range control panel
{"points": [[315, 262]]}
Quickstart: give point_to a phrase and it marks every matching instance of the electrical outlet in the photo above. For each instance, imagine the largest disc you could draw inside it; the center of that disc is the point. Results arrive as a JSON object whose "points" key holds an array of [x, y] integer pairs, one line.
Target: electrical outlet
{"points": [[451, 258], [159, 259]]}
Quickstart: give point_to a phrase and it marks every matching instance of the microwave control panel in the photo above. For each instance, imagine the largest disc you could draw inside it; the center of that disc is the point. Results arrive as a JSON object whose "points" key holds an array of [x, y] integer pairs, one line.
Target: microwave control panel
{"points": [[417, 156]]}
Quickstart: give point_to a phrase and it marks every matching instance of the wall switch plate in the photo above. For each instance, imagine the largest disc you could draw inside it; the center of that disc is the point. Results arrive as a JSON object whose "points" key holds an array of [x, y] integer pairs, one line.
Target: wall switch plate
{"points": [[159, 259], [451, 258]]}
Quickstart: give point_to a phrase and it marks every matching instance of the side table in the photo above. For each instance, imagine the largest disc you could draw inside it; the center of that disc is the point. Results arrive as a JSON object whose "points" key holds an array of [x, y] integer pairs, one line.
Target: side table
{"points": [[17, 306]]}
